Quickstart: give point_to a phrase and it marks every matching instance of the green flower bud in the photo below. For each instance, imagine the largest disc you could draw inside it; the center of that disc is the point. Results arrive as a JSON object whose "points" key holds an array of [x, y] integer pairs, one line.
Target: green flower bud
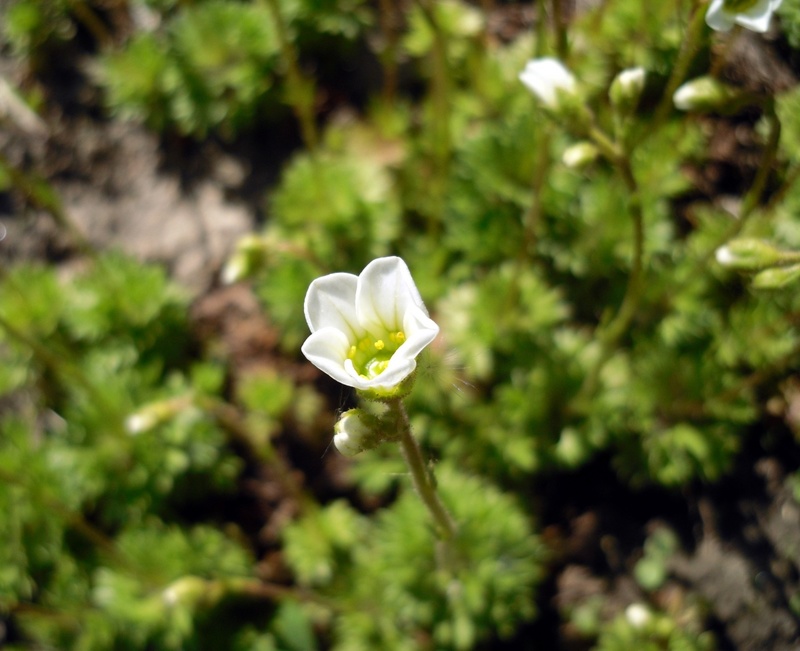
{"points": [[188, 591], [580, 154], [626, 89], [154, 414], [356, 431], [777, 277], [706, 94], [252, 252], [747, 254]]}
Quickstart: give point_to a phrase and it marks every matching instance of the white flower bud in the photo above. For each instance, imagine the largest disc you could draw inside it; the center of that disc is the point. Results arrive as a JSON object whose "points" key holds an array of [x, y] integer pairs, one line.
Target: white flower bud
{"points": [[704, 94], [626, 89], [746, 254], [547, 78], [352, 434], [777, 278], [153, 414], [637, 615], [579, 155]]}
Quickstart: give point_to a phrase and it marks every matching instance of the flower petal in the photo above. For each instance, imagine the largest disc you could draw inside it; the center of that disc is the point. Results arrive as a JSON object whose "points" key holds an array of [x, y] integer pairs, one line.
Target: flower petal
{"points": [[420, 331], [758, 17], [327, 350], [385, 292], [546, 75], [717, 18], [330, 303], [399, 369]]}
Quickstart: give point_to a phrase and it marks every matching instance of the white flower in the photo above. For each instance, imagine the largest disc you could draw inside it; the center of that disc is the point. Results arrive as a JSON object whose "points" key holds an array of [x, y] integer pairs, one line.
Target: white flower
{"points": [[637, 615], [367, 330], [755, 15], [545, 78]]}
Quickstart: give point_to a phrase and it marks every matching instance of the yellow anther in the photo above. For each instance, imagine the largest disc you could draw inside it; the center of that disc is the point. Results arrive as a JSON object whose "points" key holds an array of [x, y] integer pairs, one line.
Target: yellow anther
{"points": [[379, 345], [398, 337], [364, 344], [352, 352]]}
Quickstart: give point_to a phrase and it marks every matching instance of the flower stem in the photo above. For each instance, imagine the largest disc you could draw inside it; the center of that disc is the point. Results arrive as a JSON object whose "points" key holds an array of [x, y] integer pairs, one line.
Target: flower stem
{"points": [[300, 90], [754, 194], [691, 44], [440, 104], [422, 479], [610, 332]]}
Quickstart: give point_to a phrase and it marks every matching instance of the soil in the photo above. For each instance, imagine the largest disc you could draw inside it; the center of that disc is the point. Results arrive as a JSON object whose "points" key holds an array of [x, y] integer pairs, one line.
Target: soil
{"points": [[184, 205]]}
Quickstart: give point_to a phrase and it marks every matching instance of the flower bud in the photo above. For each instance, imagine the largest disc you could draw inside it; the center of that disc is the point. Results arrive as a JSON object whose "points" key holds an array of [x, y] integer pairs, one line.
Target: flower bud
{"points": [[250, 255], [777, 277], [706, 94], [747, 254], [549, 80], [626, 89], [579, 155], [185, 591], [638, 615], [354, 432], [153, 414]]}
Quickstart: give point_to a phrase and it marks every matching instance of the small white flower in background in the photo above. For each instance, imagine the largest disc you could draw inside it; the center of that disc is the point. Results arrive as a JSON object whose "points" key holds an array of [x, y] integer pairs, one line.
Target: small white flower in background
{"points": [[637, 615], [367, 330], [351, 434], [547, 78], [754, 15]]}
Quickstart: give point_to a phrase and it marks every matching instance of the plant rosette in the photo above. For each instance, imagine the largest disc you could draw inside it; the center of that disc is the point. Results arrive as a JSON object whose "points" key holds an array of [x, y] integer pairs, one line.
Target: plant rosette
{"points": [[367, 330]]}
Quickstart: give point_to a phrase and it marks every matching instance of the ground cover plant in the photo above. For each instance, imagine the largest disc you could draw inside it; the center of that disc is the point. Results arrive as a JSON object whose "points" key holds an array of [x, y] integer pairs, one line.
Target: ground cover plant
{"points": [[506, 357]]}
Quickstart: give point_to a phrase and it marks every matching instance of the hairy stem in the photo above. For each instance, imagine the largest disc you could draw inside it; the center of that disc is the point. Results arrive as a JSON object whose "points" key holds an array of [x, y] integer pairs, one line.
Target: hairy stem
{"points": [[422, 479], [610, 332], [691, 44]]}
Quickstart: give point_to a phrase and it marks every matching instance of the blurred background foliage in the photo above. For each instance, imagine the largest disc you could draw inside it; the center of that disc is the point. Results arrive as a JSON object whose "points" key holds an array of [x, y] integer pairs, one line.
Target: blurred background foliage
{"points": [[125, 439]]}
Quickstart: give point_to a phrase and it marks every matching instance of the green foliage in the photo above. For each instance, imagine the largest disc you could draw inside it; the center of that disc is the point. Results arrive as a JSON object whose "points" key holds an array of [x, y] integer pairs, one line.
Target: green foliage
{"points": [[211, 68], [399, 585], [651, 570], [584, 318], [787, 106], [34, 25], [789, 11], [659, 631], [82, 352]]}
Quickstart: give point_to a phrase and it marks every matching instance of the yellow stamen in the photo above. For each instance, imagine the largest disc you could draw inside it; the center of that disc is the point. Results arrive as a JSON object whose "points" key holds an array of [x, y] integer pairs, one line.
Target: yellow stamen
{"points": [[379, 345], [398, 337], [352, 352]]}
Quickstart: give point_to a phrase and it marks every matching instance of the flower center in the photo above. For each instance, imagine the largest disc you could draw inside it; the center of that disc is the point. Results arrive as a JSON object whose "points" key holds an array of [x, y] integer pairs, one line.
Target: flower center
{"points": [[738, 6], [371, 356]]}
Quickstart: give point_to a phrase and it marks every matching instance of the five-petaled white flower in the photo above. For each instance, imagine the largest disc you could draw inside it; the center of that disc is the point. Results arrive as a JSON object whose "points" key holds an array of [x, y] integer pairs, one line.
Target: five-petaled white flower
{"points": [[755, 15], [546, 78], [367, 330]]}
